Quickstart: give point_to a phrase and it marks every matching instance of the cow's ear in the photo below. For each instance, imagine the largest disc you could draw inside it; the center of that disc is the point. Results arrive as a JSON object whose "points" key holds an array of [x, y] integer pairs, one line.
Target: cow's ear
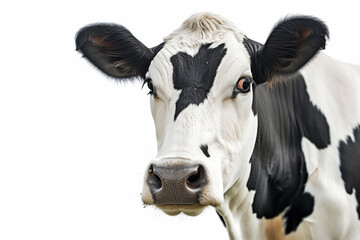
{"points": [[290, 45], [114, 50]]}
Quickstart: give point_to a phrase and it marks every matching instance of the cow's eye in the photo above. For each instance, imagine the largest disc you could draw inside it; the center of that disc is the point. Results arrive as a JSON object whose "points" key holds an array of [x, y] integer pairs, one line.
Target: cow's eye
{"points": [[242, 86], [151, 87]]}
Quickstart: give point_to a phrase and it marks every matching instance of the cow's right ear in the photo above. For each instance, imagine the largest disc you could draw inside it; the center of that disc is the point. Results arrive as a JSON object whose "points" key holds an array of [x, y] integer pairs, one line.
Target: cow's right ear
{"points": [[114, 50]]}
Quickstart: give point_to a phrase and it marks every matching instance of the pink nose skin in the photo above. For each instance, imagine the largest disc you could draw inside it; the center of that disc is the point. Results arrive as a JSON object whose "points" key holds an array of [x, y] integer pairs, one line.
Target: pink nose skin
{"points": [[180, 184]]}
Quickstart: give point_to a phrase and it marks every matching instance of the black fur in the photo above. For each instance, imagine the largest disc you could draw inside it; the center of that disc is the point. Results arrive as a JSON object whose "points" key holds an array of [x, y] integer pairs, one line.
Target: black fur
{"points": [[195, 76], [205, 150], [278, 169], [290, 45], [114, 50], [221, 219], [301, 207], [350, 165], [252, 46]]}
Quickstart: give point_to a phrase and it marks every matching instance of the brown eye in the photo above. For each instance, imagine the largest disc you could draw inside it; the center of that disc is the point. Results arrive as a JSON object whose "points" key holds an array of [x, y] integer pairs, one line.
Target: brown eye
{"points": [[242, 86]]}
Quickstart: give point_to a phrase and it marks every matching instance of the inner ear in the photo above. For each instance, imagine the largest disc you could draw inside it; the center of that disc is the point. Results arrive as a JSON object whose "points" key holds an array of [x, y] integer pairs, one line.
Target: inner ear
{"points": [[99, 40], [304, 33]]}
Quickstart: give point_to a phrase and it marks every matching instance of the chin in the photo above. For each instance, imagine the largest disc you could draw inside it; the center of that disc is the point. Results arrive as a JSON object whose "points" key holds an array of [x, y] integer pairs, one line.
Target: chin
{"points": [[175, 209]]}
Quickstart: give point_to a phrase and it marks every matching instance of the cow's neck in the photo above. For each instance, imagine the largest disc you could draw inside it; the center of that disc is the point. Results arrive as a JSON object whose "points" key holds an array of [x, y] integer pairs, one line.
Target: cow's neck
{"points": [[278, 167], [278, 171]]}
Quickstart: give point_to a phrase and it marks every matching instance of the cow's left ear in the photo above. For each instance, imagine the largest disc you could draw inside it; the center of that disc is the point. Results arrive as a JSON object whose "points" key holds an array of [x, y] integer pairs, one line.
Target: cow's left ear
{"points": [[114, 50], [290, 45]]}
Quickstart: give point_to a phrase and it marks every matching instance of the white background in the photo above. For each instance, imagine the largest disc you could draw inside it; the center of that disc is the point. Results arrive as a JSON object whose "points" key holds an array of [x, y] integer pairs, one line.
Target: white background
{"points": [[74, 144]]}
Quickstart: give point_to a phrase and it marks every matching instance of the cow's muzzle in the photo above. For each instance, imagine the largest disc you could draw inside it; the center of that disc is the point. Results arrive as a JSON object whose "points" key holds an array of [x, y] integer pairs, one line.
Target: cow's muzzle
{"points": [[177, 186], [180, 185]]}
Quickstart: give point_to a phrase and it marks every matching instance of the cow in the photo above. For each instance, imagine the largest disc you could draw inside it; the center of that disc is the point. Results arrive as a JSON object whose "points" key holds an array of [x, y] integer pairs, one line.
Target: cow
{"points": [[267, 134]]}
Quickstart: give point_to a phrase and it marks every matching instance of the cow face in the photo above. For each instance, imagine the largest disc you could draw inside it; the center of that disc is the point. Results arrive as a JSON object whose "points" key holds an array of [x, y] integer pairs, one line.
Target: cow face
{"points": [[202, 98], [202, 81]]}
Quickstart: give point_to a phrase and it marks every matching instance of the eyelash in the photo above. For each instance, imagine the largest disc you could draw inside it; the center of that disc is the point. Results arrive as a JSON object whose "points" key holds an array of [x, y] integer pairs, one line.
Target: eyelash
{"points": [[151, 87]]}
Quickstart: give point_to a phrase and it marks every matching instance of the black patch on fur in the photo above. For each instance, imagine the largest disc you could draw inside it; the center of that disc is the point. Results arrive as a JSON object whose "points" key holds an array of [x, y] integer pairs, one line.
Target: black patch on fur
{"points": [[157, 48], [252, 46], [195, 75], [221, 219], [350, 164], [205, 150], [253, 104], [301, 207], [278, 169], [311, 123]]}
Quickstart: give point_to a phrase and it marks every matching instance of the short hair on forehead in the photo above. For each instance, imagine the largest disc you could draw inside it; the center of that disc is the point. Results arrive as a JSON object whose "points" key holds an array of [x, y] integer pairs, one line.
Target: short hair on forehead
{"points": [[203, 27]]}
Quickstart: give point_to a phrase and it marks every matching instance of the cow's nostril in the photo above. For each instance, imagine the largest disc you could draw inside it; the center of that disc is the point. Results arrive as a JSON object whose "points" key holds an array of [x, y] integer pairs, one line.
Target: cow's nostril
{"points": [[154, 180], [197, 179]]}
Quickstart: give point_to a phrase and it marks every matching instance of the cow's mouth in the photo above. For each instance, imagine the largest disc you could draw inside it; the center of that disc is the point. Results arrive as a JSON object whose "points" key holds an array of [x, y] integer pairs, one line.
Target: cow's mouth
{"points": [[175, 209]]}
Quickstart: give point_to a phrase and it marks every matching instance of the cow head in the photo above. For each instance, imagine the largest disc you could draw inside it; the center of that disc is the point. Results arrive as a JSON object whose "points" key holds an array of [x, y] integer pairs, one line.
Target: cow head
{"points": [[202, 81]]}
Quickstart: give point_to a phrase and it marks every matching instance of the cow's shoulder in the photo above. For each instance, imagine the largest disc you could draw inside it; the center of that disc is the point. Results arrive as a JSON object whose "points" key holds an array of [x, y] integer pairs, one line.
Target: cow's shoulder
{"points": [[334, 88]]}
